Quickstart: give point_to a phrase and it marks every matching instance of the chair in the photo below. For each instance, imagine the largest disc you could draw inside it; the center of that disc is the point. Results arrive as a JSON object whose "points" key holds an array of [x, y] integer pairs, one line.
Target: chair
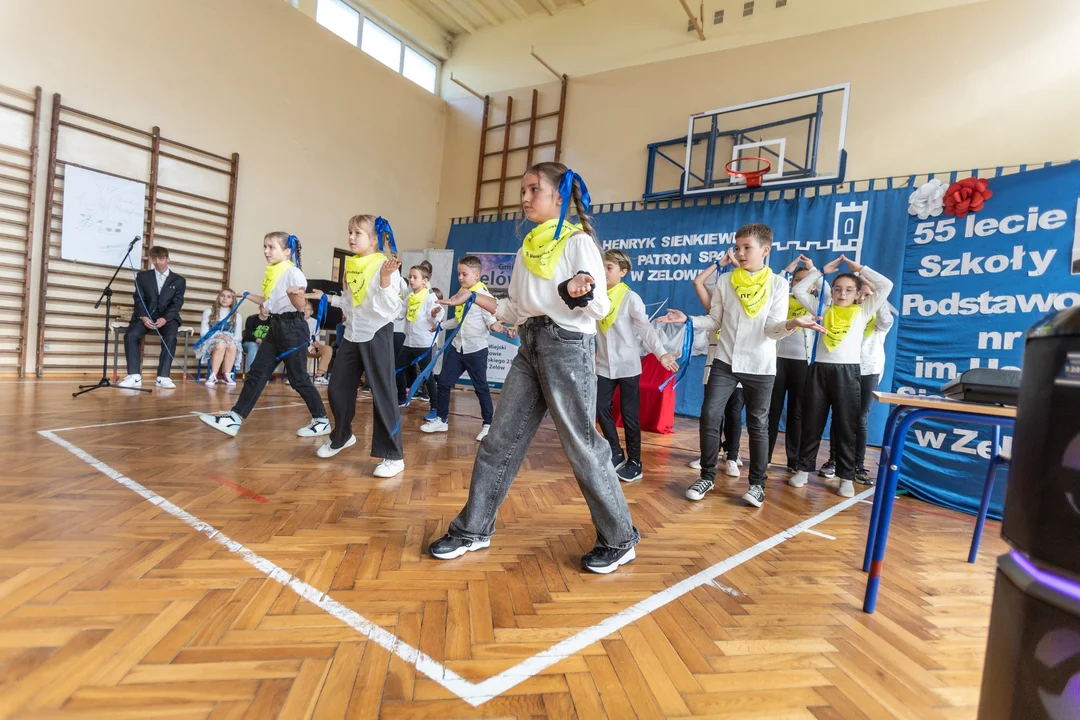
{"points": [[997, 459]]}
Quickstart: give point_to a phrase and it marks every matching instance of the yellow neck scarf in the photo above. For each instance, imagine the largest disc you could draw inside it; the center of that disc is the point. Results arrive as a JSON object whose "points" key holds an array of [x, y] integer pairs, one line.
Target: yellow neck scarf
{"points": [[795, 308], [837, 323], [541, 250], [615, 295], [460, 309], [752, 288], [273, 274], [416, 301], [359, 270], [870, 326]]}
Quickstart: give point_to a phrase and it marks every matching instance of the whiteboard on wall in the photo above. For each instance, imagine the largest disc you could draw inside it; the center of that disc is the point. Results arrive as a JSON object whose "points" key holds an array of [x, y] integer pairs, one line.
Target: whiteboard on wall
{"points": [[102, 214]]}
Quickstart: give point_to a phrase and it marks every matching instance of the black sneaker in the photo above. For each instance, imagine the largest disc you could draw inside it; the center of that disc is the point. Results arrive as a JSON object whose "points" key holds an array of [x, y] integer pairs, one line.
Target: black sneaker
{"points": [[862, 476], [697, 490], [605, 560], [448, 547], [827, 470], [630, 471], [755, 495], [618, 460]]}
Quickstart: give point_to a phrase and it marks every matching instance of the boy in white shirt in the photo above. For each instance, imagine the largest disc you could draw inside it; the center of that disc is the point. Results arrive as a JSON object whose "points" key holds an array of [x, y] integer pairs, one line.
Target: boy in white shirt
{"points": [[618, 364], [749, 308], [467, 353], [422, 313], [834, 377]]}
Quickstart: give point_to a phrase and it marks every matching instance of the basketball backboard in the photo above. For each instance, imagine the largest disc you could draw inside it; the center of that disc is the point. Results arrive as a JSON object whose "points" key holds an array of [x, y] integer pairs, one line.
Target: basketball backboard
{"points": [[800, 135]]}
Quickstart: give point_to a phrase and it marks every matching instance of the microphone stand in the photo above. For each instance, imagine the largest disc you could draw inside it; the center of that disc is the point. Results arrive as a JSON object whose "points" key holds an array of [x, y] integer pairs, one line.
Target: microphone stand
{"points": [[106, 294]]}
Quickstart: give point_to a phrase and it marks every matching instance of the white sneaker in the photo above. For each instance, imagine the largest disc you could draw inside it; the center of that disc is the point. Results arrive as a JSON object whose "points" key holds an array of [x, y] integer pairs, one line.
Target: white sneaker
{"points": [[211, 380], [846, 489], [326, 451], [131, 381], [732, 468], [315, 428], [483, 433], [225, 423], [696, 464], [389, 468], [166, 383], [230, 379], [799, 479], [434, 426], [321, 381]]}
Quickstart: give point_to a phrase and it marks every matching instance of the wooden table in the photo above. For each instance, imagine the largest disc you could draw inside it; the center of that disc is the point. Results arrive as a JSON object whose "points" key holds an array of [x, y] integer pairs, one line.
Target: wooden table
{"points": [[906, 411]]}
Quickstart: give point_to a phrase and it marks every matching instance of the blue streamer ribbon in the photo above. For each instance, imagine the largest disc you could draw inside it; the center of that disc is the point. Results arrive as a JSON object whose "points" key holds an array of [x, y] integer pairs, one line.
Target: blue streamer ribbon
{"points": [[320, 317], [383, 226], [438, 329], [820, 306], [422, 376], [220, 324], [684, 357], [566, 189]]}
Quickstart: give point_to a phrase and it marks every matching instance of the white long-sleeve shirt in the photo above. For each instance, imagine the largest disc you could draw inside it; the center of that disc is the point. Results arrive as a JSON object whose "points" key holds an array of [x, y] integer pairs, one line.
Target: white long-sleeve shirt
{"points": [[278, 301], [872, 357], [474, 333], [617, 349], [849, 351], [419, 334], [797, 345], [381, 305], [403, 292], [532, 296], [747, 343], [236, 320]]}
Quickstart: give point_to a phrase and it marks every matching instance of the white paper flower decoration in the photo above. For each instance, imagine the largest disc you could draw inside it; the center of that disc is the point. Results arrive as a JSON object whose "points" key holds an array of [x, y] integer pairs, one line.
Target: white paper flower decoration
{"points": [[928, 200]]}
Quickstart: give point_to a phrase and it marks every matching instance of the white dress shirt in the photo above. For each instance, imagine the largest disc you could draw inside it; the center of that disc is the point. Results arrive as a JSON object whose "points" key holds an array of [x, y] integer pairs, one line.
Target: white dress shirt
{"points": [[419, 334], [474, 333], [797, 345], [532, 296], [237, 322], [381, 305], [617, 349], [403, 292], [747, 343], [278, 301], [849, 351], [872, 357], [161, 278]]}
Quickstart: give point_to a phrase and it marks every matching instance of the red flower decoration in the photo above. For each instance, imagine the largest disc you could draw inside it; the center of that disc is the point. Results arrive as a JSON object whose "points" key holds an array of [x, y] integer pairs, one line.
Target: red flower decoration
{"points": [[966, 196]]}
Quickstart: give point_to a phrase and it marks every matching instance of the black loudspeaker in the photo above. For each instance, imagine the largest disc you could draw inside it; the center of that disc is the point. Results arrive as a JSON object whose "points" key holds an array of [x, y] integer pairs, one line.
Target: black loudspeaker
{"points": [[1042, 500], [333, 315], [1032, 669]]}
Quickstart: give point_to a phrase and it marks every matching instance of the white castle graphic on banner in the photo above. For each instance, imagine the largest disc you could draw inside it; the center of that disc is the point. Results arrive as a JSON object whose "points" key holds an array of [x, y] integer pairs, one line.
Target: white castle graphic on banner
{"points": [[849, 225]]}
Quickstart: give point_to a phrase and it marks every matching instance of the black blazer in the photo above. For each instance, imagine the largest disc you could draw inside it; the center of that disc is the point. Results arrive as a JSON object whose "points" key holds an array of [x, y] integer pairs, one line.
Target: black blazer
{"points": [[166, 305]]}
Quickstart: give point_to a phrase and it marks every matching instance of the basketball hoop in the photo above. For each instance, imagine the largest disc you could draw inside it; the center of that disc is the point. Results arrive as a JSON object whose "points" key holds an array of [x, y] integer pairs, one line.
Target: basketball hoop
{"points": [[752, 177]]}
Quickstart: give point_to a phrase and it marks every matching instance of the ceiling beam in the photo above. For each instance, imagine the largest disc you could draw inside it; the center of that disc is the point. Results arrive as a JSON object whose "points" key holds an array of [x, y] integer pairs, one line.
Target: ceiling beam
{"points": [[454, 15], [478, 7], [515, 8], [694, 19], [549, 6]]}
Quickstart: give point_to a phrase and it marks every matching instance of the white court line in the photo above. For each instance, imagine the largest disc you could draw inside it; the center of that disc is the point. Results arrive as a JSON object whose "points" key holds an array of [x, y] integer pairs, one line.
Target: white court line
{"points": [[473, 693], [821, 534], [167, 417]]}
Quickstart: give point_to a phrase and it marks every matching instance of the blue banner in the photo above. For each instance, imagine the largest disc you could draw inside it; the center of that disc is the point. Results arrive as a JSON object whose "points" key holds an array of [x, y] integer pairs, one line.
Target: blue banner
{"points": [[972, 287]]}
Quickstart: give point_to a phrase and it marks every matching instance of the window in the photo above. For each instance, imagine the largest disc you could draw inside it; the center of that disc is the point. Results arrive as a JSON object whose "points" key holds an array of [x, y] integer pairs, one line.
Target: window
{"points": [[381, 45], [338, 18], [419, 69]]}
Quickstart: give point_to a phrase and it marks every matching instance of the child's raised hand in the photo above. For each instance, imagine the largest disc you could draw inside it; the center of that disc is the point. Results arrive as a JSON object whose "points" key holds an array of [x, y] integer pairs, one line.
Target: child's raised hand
{"points": [[807, 321], [436, 311], [315, 294], [673, 316], [391, 265], [669, 362], [807, 262], [852, 265], [459, 298], [511, 332], [729, 258], [833, 266], [580, 285], [497, 327]]}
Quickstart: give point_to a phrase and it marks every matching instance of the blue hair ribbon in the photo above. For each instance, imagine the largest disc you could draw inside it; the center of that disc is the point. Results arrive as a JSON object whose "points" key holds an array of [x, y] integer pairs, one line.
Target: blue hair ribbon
{"points": [[684, 357], [382, 225], [294, 247], [566, 191]]}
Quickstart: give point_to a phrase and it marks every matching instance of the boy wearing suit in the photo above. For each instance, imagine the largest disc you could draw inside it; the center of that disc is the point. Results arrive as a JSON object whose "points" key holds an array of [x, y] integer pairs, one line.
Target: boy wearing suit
{"points": [[159, 295]]}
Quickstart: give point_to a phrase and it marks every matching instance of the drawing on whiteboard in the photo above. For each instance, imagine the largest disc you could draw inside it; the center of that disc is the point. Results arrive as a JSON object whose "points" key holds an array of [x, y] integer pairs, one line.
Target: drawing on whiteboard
{"points": [[101, 215]]}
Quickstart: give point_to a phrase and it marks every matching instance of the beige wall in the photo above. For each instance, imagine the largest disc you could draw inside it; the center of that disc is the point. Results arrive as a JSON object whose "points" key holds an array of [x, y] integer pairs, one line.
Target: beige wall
{"points": [[971, 86], [323, 131]]}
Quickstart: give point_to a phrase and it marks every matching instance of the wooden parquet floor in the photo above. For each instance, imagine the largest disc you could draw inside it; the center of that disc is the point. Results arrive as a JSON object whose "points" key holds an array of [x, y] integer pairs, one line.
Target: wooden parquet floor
{"points": [[251, 579]]}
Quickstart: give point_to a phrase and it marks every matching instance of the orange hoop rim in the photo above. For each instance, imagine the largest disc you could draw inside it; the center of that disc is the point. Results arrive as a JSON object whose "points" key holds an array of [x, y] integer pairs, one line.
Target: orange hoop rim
{"points": [[752, 177]]}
